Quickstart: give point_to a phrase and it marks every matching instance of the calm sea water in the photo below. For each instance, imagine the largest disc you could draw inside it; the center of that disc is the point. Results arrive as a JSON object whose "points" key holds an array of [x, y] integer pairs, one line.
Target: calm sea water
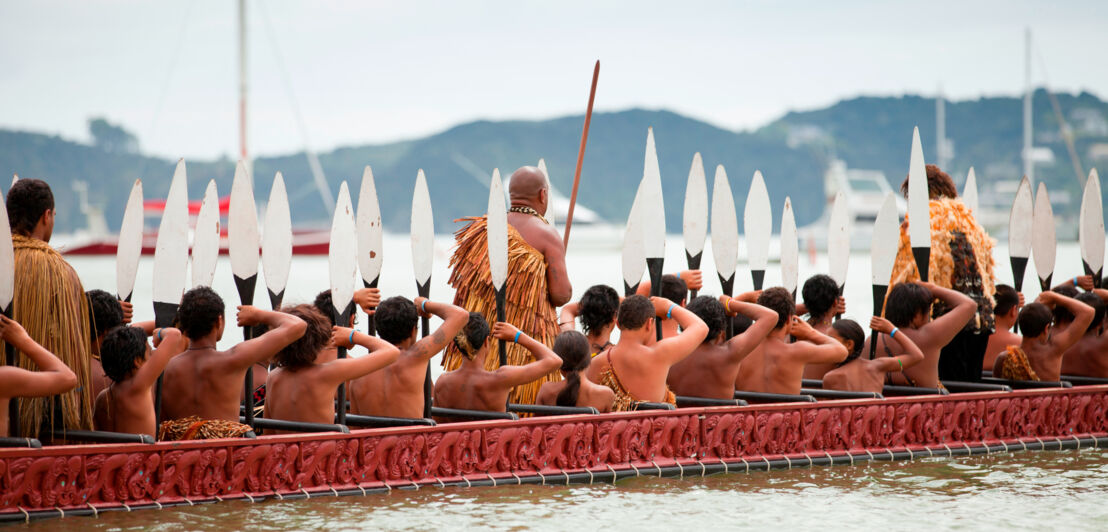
{"points": [[1063, 490]]}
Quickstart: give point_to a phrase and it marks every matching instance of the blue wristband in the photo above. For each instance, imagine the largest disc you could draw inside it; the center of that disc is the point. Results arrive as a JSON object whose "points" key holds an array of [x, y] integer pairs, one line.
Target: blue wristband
{"points": [[159, 335], [1074, 281], [516, 339], [893, 333], [423, 306], [351, 339], [669, 311]]}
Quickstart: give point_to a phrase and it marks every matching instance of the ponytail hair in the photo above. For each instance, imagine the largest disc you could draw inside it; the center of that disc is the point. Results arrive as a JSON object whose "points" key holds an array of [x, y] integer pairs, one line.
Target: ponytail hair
{"points": [[850, 330], [573, 348]]}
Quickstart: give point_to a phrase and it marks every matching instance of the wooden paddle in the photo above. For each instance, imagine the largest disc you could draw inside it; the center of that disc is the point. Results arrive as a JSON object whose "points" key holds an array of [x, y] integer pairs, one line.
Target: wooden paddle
{"points": [[277, 243], [129, 247], [886, 230], [7, 293], [550, 199], [757, 225], [919, 208], [497, 239], [653, 221], [695, 223], [423, 250], [1090, 232], [581, 153], [790, 249], [205, 239], [633, 257], [838, 241], [171, 256], [342, 264], [370, 238], [1019, 234], [969, 192], [243, 244], [725, 235], [1043, 242]]}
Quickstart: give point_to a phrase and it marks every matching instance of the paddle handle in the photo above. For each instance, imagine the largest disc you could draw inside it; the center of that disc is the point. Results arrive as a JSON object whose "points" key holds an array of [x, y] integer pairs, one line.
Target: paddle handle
{"points": [[424, 290], [371, 324], [246, 296], [502, 315], [342, 317], [728, 285], [1019, 266], [654, 267], [581, 154], [694, 264], [164, 316], [13, 404], [879, 292]]}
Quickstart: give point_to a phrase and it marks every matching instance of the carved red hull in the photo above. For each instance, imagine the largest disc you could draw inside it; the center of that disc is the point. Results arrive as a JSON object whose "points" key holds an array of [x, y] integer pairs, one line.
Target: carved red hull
{"points": [[89, 478]]}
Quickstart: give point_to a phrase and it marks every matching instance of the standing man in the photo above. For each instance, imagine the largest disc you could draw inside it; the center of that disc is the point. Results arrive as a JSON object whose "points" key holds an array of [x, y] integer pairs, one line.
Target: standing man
{"points": [[50, 303], [538, 282]]}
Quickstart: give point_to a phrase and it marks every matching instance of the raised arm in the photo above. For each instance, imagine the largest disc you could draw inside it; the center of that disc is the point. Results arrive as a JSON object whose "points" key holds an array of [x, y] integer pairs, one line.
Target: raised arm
{"points": [[284, 329], [453, 319], [545, 359], [693, 331], [367, 299], [694, 280], [912, 354], [567, 318], [381, 354], [764, 321], [1084, 282], [943, 329], [53, 378], [825, 350], [1082, 317], [168, 343]]}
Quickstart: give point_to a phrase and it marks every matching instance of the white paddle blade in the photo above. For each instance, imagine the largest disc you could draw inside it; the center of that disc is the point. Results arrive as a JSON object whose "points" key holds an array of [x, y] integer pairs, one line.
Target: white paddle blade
{"points": [[725, 226], [790, 248], [423, 231], [838, 239], [370, 232], [1043, 243], [1090, 232], [886, 233], [341, 256], [15, 177], [634, 251], [550, 190], [969, 192], [7, 260], [129, 248], [205, 239], [1020, 221], [756, 223], [242, 226], [171, 256], [695, 223], [497, 230], [653, 206], [277, 237], [919, 205]]}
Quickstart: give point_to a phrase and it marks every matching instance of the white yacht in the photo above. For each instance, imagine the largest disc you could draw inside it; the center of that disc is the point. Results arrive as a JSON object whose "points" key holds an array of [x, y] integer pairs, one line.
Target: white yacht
{"points": [[865, 191]]}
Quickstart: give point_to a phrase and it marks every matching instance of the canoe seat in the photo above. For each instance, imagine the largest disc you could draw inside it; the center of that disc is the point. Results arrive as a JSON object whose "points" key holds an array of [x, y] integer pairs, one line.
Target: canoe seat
{"points": [[31, 443], [296, 426], [963, 387], [543, 410], [684, 401], [820, 393], [101, 436], [763, 397], [811, 383], [359, 421], [647, 405], [1081, 380], [1018, 385], [899, 391], [457, 414]]}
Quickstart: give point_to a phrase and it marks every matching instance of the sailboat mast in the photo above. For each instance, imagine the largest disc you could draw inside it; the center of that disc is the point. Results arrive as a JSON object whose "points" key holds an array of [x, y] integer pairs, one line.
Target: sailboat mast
{"points": [[1028, 166], [243, 154], [940, 129]]}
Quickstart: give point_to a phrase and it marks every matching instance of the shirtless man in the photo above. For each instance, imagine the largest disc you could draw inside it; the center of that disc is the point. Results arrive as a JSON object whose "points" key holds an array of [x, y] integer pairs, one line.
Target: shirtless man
{"points": [[597, 312], [397, 389], [675, 287], [636, 368], [302, 386], [127, 404], [711, 369], [1008, 303], [527, 189], [908, 307], [776, 366], [54, 377], [472, 387], [857, 374], [1043, 345], [1089, 356], [206, 383], [575, 389], [821, 303]]}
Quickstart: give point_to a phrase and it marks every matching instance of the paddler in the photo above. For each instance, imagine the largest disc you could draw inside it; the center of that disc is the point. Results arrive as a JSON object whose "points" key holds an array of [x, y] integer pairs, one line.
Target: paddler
{"points": [[52, 377], [674, 287], [1007, 311], [1089, 356], [538, 281], [822, 302], [961, 260], [50, 303], [1039, 355], [597, 312]]}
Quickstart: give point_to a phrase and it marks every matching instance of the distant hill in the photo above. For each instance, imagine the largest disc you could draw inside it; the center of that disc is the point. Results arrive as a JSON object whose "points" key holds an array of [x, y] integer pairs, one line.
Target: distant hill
{"points": [[791, 152]]}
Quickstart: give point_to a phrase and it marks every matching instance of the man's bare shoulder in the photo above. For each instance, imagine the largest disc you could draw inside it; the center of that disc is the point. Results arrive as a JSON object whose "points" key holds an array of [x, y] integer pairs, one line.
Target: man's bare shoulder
{"points": [[536, 232]]}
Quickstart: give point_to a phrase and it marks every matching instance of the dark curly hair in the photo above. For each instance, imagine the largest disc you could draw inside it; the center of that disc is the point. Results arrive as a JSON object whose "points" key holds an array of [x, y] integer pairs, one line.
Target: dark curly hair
{"points": [[850, 330], [1006, 299], [104, 313], [939, 184], [28, 200], [1061, 313], [396, 318], [1034, 319], [780, 301], [598, 308], [711, 311], [634, 312], [574, 349], [199, 312], [820, 292], [674, 288], [1094, 301], [303, 351], [905, 302], [472, 337], [121, 349]]}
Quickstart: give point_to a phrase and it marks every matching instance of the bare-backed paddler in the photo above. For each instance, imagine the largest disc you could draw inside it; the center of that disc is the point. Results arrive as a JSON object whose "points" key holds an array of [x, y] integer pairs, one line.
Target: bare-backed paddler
{"points": [[537, 278]]}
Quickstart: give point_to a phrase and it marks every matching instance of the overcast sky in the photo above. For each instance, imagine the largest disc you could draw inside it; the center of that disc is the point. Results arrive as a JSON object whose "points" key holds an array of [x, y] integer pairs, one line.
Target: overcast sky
{"points": [[375, 71]]}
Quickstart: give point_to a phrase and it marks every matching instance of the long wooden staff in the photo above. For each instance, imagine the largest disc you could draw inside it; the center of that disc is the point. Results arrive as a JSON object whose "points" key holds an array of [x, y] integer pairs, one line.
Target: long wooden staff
{"points": [[581, 153], [725, 235], [758, 226], [243, 246], [7, 293], [1091, 229], [654, 221], [1043, 241], [369, 238], [1019, 233], [423, 250], [695, 223], [886, 230], [170, 260], [343, 268]]}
